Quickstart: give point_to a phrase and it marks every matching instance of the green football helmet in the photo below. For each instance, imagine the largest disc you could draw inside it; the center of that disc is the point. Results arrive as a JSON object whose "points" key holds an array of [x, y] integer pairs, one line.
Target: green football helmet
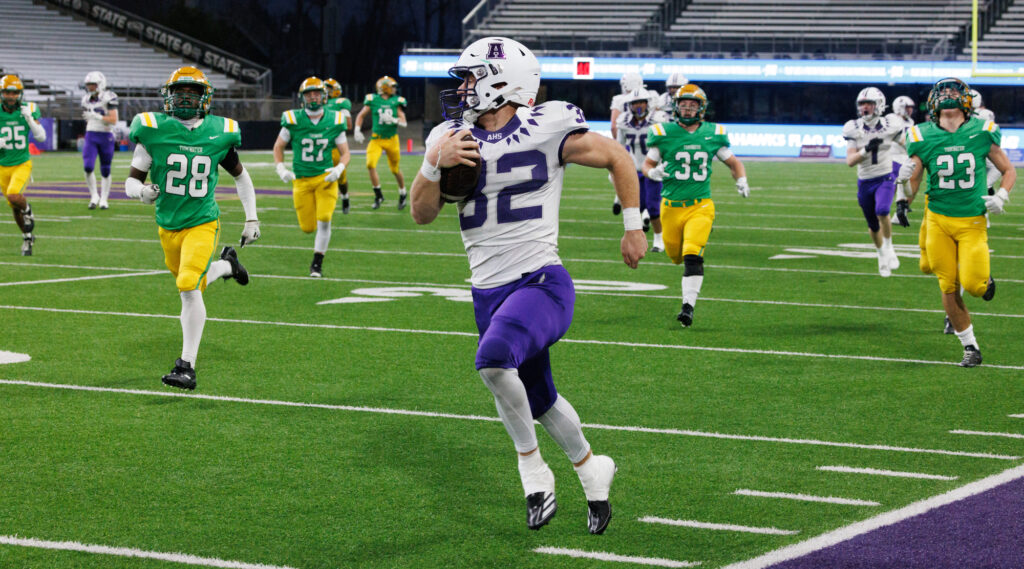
{"points": [[949, 93]]}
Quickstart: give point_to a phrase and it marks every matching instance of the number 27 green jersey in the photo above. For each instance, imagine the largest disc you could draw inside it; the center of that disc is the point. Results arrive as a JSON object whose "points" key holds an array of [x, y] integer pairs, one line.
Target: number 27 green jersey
{"points": [[312, 142], [185, 165], [687, 156], [956, 164]]}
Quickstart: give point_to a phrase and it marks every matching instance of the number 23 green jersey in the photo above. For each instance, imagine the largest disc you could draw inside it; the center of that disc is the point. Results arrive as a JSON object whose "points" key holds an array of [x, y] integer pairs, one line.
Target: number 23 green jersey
{"points": [[185, 165], [956, 164], [687, 156]]}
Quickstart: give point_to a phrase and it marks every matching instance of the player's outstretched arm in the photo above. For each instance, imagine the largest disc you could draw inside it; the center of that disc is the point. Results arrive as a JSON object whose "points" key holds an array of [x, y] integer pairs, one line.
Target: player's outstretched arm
{"points": [[357, 134], [448, 151], [246, 194], [135, 186], [917, 174], [739, 173], [596, 151]]}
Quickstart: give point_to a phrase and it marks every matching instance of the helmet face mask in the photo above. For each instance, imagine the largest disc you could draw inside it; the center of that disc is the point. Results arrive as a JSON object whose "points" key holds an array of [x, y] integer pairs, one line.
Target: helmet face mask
{"points": [[386, 86], [97, 80], [639, 102], [870, 104], [949, 93], [493, 72], [313, 93], [689, 104], [13, 92], [187, 94]]}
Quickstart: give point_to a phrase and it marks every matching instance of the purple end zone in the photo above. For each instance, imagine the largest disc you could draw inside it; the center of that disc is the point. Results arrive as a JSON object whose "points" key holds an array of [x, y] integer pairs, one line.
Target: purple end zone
{"points": [[985, 531]]}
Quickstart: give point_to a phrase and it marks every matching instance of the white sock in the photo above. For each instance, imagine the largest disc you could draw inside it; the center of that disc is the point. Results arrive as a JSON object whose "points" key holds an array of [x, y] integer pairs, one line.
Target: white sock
{"points": [[513, 405], [691, 288], [657, 240], [563, 424], [104, 189], [588, 474], [90, 180], [193, 318], [323, 236], [617, 199], [967, 337], [535, 474], [218, 269], [401, 191]]}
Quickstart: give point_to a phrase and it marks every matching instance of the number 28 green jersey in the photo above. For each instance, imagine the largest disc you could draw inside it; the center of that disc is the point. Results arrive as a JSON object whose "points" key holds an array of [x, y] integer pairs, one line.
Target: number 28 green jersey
{"points": [[956, 164], [185, 165], [687, 156]]}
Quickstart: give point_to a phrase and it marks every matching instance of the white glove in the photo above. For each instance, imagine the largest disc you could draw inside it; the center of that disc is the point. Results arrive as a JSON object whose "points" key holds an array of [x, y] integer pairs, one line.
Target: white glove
{"points": [[657, 173], [358, 135], [286, 175], [906, 171], [149, 193], [92, 115], [334, 173], [250, 232], [995, 203], [742, 187], [26, 112], [402, 123]]}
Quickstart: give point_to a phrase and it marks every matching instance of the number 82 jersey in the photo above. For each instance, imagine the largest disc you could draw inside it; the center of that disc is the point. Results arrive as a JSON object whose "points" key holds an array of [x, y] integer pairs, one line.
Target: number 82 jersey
{"points": [[687, 156], [185, 164]]}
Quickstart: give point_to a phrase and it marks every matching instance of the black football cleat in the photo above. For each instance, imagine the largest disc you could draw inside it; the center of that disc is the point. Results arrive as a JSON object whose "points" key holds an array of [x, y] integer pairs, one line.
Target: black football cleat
{"points": [[540, 508], [948, 327], [238, 272], [990, 290], [28, 220], [377, 202], [344, 205], [685, 316], [92, 205], [402, 199], [616, 208], [316, 268], [599, 513], [182, 376], [26, 245], [972, 357]]}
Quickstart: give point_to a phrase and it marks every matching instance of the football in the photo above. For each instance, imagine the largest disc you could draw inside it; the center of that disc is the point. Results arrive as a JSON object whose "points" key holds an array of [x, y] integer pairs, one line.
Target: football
{"points": [[459, 181]]}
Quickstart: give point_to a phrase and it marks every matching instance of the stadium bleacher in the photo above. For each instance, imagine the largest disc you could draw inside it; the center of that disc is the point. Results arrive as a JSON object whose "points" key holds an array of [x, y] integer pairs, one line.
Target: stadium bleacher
{"points": [[1005, 39], [53, 51]]}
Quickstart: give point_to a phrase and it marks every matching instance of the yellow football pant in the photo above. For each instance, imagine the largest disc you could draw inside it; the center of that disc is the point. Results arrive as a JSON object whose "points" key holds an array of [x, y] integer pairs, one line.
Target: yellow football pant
{"points": [[958, 249], [336, 158], [13, 179], [685, 230], [387, 145], [188, 252], [314, 200], [922, 243]]}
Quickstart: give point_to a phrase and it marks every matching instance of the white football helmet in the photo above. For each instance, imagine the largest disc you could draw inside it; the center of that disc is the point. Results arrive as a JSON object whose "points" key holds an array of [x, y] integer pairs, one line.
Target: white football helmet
{"points": [[976, 99], [903, 106], [636, 96], [98, 78], [871, 95], [674, 82], [505, 71], [631, 82]]}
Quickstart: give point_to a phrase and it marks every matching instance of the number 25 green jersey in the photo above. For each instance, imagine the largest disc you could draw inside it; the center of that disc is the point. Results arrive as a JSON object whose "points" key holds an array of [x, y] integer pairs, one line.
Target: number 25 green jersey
{"points": [[956, 164], [185, 165], [14, 135], [687, 156]]}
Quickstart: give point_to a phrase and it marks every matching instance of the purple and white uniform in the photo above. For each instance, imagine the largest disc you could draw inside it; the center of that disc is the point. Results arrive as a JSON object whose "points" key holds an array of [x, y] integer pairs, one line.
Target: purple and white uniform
{"points": [[875, 180], [522, 296], [899, 152], [99, 140], [632, 134]]}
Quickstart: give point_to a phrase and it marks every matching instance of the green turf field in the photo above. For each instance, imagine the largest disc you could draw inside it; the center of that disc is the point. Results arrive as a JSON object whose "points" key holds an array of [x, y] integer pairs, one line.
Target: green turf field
{"points": [[374, 443]]}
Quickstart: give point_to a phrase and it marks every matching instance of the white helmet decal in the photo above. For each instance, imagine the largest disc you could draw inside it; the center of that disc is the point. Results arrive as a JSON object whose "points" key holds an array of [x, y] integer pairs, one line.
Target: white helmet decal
{"points": [[501, 70]]}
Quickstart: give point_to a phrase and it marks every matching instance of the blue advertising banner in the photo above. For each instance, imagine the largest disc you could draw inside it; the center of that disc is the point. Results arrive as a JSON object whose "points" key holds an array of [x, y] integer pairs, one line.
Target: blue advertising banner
{"points": [[50, 126]]}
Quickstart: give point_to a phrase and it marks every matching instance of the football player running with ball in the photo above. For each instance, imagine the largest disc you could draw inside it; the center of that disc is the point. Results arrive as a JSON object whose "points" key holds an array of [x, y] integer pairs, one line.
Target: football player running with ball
{"points": [[314, 175], [387, 108], [522, 295], [17, 119], [182, 148], [953, 148], [679, 154]]}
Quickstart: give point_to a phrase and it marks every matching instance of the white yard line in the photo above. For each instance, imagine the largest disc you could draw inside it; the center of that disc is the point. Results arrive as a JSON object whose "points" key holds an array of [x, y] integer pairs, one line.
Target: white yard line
{"points": [[988, 434], [772, 353], [717, 527], [182, 558], [805, 498], [862, 527], [91, 278], [893, 473], [390, 411], [1016, 416], [601, 556]]}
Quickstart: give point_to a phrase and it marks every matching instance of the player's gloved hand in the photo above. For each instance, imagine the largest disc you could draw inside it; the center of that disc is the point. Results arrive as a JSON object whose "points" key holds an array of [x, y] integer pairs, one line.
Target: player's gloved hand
{"points": [[906, 171], [26, 112], [657, 173], [149, 193], [873, 144], [334, 173], [995, 202], [250, 232], [286, 175], [358, 135], [902, 208], [742, 187], [92, 116], [402, 123]]}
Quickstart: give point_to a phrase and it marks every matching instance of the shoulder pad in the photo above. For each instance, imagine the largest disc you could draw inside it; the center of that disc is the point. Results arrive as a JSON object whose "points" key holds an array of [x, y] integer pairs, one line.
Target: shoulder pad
{"points": [[914, 134], [288, 117], [147, 119], [369, 97], [657, 130], [556, 116], [230, 125], [849, 129], [719, 128], [990, 126], [339, 118], [402, 102]]}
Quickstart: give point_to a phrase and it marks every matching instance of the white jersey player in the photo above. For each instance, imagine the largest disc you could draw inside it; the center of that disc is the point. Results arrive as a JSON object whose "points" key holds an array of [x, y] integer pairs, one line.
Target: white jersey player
{"points": [[672, 84], [523, 297], [99, 109], [633, 125], [628, 83], [992, 176], [869, 140]]}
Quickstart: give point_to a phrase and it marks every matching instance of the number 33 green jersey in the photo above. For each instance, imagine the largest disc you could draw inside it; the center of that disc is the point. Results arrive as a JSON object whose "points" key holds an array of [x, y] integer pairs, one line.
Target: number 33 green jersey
{"points": [[687, 156], [185, 165], [955, 163]]}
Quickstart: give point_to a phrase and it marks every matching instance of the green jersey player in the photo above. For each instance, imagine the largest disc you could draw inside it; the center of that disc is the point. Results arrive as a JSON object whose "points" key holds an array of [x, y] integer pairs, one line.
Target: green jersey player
{"points": [[182, 148], [17, 119], [386, 108], [679, 155], [953, 148]]}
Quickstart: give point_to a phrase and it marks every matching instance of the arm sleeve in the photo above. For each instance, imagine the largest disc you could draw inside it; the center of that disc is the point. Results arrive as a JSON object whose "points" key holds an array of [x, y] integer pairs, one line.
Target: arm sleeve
{"points": [[246, 194], [141, 160], [230, 160], [654, 154], [37, 130], [724, 153], [285, 135], [341, 139]]}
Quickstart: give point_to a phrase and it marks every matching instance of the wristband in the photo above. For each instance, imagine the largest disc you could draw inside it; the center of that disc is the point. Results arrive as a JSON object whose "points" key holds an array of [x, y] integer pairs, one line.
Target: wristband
{"points": [[863, 152], [428, 170], [631, 219]]}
